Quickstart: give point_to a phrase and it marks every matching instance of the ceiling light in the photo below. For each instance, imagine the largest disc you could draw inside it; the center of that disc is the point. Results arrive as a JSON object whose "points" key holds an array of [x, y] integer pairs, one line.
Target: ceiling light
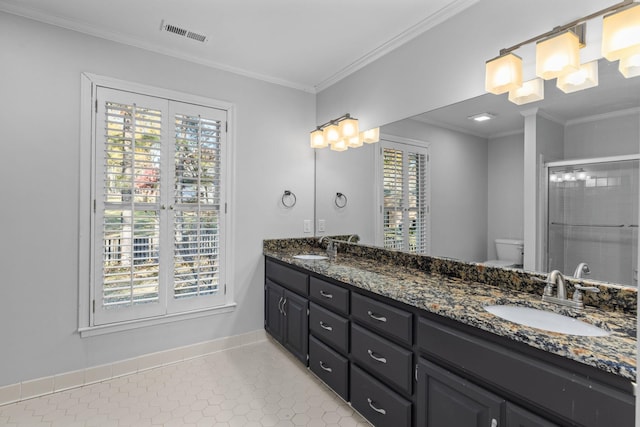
{"points": [[530, 91], [621, 34], [482, 117], [584, 78], [558, 55], [503, 74]]}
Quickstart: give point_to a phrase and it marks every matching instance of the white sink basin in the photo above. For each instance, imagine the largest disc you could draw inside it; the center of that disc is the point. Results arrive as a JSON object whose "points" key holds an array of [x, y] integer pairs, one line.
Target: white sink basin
{"points": [[546, 320], [311, 257]]}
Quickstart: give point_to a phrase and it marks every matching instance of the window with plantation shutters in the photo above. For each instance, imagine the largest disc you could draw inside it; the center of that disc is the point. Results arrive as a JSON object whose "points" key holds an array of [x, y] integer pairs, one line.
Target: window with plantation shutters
{"points": [[159, 211], [404, 197]]}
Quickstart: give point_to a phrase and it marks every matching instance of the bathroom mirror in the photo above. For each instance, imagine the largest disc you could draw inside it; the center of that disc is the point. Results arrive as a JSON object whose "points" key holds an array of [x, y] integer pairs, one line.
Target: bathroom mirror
{"points": [[475, 170]]}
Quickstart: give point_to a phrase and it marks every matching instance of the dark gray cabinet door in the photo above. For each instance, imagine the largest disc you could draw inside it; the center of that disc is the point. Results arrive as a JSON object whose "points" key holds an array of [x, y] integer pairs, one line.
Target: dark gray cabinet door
{"points": [[296, 328], [273, 323], [520, 417], [446, 400]]}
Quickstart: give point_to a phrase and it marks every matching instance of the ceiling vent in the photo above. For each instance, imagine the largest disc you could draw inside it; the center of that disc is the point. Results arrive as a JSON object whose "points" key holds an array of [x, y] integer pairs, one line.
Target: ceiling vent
{"points": [[183, 32]]}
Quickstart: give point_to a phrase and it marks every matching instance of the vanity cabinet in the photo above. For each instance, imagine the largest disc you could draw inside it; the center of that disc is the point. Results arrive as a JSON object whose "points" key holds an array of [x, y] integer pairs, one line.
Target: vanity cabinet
{"points": [[401, 366], [447, 400], [286, 311]]}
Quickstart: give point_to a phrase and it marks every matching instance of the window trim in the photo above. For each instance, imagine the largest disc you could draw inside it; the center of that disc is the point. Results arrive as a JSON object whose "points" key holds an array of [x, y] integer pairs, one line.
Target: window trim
{"points": [[88, 86], [423, 145]]}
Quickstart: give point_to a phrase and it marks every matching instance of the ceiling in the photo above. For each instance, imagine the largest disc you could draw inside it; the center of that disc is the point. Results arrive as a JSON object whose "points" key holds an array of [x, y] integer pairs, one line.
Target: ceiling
{"points": [[613, 93], [305, 44]]}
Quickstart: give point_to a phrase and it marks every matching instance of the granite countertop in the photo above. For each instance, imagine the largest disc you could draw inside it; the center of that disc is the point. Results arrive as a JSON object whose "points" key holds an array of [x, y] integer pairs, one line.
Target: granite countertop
{"points": [[463, 301]]}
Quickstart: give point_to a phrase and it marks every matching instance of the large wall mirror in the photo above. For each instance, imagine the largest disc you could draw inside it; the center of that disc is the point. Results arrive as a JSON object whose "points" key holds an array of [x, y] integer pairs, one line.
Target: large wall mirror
{"points": [[474, 178]]}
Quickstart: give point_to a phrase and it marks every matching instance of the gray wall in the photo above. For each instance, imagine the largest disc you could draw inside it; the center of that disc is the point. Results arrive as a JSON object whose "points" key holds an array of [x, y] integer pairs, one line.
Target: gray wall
{"points": [[458, 188], [39, 169], [603, 136], [505, 190]]}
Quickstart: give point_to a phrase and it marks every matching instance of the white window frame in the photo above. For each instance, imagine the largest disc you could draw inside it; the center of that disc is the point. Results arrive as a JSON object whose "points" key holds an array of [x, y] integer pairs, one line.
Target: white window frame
{"points": [[89, 85], [396, 142]]}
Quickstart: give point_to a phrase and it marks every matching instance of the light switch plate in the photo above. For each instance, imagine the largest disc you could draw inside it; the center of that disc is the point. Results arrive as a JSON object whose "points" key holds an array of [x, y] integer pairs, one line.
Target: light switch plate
{"points": [[307, 226], [321, 225]]}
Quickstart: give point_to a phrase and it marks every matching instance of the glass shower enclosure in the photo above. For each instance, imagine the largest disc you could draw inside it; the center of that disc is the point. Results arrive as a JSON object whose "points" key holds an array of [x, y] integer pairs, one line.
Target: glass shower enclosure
{"points": [[592, 217]]}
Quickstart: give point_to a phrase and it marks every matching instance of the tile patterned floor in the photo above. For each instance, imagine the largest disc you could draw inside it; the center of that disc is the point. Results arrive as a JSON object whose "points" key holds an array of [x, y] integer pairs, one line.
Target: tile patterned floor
{"points": [[254, 385]]}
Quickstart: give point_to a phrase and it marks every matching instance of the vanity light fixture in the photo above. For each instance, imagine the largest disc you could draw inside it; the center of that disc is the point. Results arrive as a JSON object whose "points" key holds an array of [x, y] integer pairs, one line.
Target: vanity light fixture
{"points": [[557, 54], [341, 134]]}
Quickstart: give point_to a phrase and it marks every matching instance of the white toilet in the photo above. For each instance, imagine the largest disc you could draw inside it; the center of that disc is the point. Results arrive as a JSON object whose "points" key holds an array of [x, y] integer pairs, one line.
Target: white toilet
{"points": [[510, 253]]}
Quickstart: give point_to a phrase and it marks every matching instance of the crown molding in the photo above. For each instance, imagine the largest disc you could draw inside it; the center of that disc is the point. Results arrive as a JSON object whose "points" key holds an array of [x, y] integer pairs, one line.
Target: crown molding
{"points": [[604, 116], [399, 40], [79, 27]]}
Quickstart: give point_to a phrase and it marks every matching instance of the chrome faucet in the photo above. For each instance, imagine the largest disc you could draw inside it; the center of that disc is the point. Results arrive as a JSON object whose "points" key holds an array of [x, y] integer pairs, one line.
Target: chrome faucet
{"points": [[581, 269], [332, 250], [555, 278]]}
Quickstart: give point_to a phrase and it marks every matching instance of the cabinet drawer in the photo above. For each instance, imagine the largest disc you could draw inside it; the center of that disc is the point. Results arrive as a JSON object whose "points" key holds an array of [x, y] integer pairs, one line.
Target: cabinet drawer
{"points": [[329, 327], [576, 398], [382, 317], [332, 296], [287, 277], [387, 360], [376, 402], [329, 366]]}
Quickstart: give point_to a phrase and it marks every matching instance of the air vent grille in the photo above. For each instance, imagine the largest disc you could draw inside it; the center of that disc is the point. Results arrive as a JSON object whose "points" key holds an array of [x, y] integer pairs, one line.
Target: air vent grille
{"points": [[183, 32]]}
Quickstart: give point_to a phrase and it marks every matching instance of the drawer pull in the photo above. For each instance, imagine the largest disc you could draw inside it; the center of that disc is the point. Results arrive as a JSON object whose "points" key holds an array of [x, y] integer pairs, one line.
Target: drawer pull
{"points": [[375, 317], [283, 304], [280, 305], [378, 410], [326, 368], [376, 358], [326, 295], [325, 326], [494, 423]]}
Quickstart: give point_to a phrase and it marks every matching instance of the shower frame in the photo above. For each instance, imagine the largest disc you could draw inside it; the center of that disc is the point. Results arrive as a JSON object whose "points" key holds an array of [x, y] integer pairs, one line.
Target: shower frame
{"points": [[543, 235]]}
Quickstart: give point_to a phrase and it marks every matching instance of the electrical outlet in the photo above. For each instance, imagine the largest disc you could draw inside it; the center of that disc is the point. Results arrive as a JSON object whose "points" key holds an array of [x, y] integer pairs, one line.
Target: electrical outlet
{"points": [[307, 226], [321, 226]]}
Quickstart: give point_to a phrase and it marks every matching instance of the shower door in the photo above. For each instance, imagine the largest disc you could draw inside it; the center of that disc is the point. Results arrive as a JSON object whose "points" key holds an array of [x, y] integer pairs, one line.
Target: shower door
{"points": [[593, 217]]}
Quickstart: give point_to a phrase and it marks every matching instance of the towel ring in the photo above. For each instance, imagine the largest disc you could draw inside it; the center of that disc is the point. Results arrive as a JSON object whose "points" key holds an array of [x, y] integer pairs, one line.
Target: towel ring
{"points": [[289, 199], [340, 200]]}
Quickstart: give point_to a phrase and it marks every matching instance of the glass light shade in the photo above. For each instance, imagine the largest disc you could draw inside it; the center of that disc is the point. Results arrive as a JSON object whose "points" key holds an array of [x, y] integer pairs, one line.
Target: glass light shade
{"points": [[621, 34], [557, 55], [584, 78], [339, 145], [348, 128], [354, 141], [630, 67], [331, 134], [370, 136], [503, 74], [530, 91], [317, 139]]}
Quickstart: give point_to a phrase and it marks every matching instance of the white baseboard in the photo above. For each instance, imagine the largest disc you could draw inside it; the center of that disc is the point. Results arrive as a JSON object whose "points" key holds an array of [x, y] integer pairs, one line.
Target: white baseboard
{"points": [[24, 390]]}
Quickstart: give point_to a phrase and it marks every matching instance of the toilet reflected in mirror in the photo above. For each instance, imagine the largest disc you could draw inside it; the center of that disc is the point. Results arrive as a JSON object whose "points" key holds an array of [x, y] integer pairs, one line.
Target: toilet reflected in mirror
{"points": [[510, 253]]}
